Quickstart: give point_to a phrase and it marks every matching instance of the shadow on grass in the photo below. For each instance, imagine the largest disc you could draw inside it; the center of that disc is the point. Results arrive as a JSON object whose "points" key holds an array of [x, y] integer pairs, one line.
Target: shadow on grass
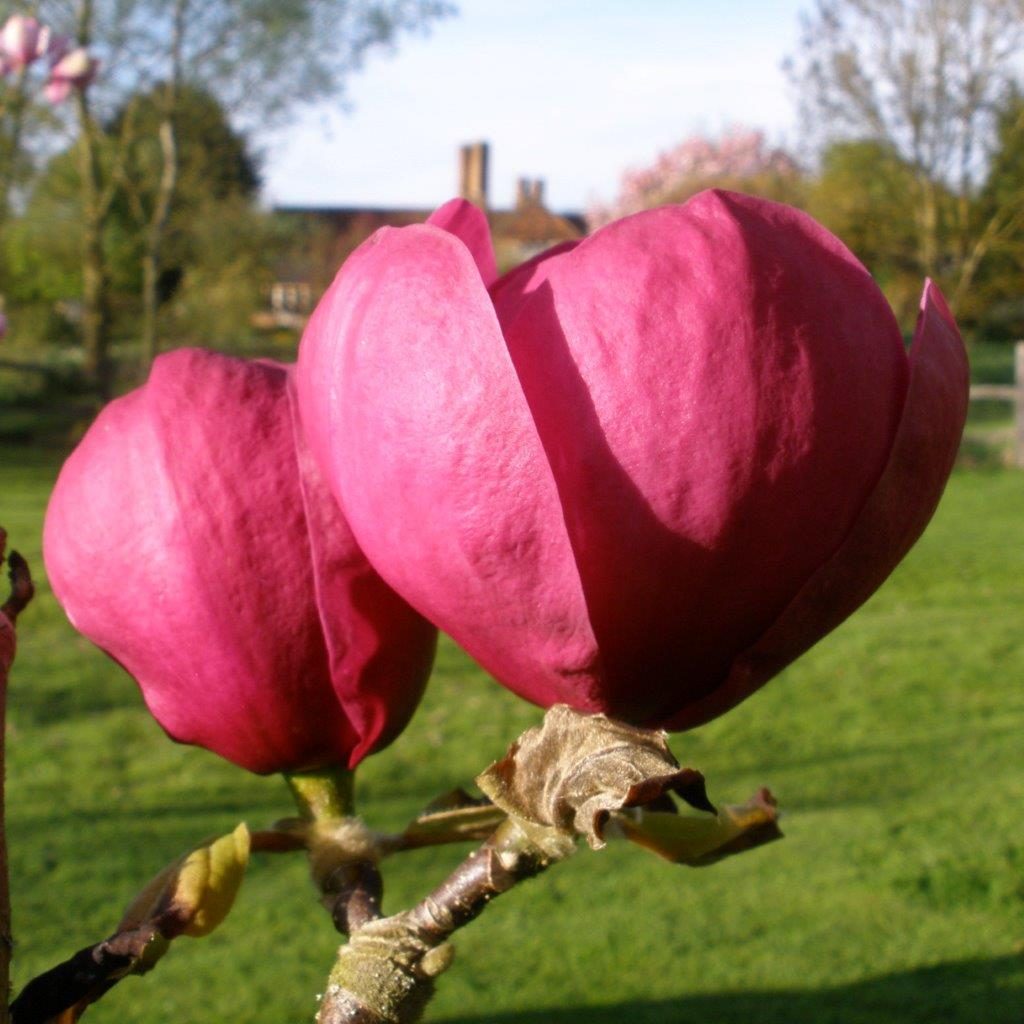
{"points": [[965, 992]]}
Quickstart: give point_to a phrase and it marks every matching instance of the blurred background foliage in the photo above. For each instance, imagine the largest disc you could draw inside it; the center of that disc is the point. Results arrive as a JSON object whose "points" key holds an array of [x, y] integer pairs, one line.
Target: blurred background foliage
{"points": [[134, 223]]}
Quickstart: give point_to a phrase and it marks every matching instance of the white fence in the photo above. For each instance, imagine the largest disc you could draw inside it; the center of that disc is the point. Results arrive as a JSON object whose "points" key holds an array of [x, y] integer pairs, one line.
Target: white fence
{"points": [[1013, 393]]}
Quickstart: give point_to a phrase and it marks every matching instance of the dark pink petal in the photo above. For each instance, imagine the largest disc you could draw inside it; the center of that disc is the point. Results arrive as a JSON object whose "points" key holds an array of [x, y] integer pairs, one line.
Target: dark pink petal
{"points": [[891, 520], [191, 536], [509, 291], [379, 650], [409, 395], [468, 223], [182, 503], [717, 387]]}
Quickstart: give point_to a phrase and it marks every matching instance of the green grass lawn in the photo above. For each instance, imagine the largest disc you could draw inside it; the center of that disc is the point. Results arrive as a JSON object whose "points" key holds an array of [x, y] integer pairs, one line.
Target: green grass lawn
{"points": [[895, 748]]}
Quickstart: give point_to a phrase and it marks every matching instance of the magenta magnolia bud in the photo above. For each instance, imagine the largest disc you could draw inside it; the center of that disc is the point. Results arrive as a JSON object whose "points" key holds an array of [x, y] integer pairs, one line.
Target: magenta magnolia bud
{"points": [[191, 537], [642, 473], [19, 39]]}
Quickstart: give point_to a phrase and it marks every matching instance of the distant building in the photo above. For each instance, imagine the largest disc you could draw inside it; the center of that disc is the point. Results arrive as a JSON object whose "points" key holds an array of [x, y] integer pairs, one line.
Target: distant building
{"points": [[325, 236]]}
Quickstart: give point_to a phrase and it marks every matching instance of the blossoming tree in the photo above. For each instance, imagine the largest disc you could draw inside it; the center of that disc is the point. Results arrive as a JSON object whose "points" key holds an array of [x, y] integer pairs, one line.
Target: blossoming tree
{"points": [[739, 158]]}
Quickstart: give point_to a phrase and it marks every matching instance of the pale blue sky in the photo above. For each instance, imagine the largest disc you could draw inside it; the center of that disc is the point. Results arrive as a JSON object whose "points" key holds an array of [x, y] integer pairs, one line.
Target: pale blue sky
{"points": [[567, 90]]}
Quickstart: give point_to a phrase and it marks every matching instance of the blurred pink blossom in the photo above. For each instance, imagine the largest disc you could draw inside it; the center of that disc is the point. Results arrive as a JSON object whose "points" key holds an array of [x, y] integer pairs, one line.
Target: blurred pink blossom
{"points": [[738, 155], [19, 39], [75, 70], [57, 90]]}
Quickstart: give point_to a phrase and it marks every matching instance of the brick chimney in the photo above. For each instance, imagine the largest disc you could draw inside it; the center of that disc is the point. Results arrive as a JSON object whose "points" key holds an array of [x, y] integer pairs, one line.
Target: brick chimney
{"points": [[473, 173], [529, 192]]}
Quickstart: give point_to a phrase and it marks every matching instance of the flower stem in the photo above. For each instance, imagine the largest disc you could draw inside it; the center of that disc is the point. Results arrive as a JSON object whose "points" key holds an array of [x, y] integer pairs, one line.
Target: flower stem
{"points": [[385, 974], [343, 852], [326, 794]]}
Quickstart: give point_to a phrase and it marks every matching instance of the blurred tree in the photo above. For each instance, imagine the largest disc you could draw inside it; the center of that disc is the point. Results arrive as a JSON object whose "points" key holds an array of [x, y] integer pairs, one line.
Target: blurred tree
{"points": [[924, 79], [861, 195], [996, 262], [258, 58], [213, 222], [215, 164], [29, 55], [740, 159]]}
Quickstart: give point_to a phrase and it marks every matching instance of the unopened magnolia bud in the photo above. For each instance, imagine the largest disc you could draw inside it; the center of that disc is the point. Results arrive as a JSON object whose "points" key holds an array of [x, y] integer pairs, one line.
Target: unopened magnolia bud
{"points": [[191, 536], [641, 473], [193, 895]]}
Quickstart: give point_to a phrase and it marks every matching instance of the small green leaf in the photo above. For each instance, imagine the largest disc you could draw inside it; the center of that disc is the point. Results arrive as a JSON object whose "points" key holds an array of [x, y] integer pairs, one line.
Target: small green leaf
{"points": [[702, 839]]}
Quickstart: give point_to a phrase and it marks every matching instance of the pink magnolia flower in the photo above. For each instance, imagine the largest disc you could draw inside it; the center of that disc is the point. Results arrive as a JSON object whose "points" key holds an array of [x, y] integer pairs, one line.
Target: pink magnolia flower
{"points": [[19, 39], [191, 537], [74, 70], [641, 473], [3, 326]]}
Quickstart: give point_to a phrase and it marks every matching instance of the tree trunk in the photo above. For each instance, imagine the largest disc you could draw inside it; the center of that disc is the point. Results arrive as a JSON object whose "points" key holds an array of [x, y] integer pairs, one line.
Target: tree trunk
{"points": [[165, 190], [9, 169], [99, 369], [155, 236], [928, 215], [95, 279]]}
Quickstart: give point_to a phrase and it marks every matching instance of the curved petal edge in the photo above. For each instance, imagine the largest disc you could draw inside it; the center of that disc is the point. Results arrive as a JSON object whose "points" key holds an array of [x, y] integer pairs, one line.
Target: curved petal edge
{"points": [[892, 519], [468, 223]]}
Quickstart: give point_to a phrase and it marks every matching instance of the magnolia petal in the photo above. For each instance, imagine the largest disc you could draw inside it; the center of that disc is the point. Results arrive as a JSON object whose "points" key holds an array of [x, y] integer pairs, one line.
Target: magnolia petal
{"points": [[409, 396], [509, 291], [891, 520], [468, 223], [380, 650], [716, 387], [182, 500], [238, 511]]}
